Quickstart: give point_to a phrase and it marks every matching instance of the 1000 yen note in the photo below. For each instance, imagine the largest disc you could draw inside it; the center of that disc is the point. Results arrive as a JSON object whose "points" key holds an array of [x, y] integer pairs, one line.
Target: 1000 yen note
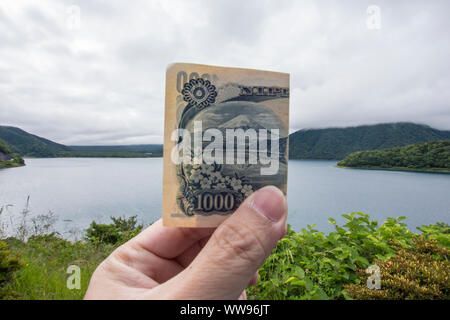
{"points": [[225, 136]]}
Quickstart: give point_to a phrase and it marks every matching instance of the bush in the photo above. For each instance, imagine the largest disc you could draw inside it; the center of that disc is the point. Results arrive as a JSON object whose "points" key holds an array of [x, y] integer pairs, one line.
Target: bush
{"points": [[439, 232], [312, 265], [8, 264], [120, 231], [421, 271]]}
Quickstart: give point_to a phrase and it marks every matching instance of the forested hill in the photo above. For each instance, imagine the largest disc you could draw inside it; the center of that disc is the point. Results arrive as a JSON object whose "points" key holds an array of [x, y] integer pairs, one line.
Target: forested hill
{"points": [[426, 156], [337, 143], [27, 144], [329, 143], [7, 159], [5, 151]]}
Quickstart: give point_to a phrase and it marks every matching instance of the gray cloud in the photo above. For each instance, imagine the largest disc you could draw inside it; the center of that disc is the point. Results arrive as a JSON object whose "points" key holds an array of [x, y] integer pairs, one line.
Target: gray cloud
{"points": [[104, 82]]}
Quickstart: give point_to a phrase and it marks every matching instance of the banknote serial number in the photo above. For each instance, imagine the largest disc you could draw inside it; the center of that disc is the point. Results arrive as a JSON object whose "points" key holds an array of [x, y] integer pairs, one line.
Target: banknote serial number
{"points": [[264, 91]]}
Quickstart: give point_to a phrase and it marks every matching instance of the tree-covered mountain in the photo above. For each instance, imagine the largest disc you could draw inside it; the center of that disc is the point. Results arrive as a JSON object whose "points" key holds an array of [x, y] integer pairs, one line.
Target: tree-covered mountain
{"points": [[428, 156], [7, 159], [30, 145], [5, 151], [329, 143], [27, 144], [337, 143]]}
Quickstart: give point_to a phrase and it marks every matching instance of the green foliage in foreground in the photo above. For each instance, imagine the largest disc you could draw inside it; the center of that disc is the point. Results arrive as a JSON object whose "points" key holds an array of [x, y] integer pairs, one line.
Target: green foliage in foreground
{"points": [[45, 260], [8, 264], [120, 231], [304, 265], [421, 271], [313, 265], [431, 156]]}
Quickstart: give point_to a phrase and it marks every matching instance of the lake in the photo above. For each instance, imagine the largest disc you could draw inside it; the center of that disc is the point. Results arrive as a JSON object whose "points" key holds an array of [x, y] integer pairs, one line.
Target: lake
{"points": [[80, 190]]}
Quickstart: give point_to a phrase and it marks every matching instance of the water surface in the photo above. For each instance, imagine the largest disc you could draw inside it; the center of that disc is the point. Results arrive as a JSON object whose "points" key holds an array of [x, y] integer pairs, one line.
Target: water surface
{"points": [[80, 190]]}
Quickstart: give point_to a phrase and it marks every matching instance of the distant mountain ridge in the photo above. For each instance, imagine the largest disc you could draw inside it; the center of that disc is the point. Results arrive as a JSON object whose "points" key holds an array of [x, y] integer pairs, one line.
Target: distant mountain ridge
{"points": [[328, 143], [337, 143], [30, 145]]}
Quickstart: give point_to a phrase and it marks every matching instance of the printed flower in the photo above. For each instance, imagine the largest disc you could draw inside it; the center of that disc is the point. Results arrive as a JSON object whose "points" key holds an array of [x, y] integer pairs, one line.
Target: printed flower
{"points": [[195, 176], [205, 183], [236, 184], [225, 179], [220, 185], [206, 169], [199, 92], [247, 190], [216, 176]]}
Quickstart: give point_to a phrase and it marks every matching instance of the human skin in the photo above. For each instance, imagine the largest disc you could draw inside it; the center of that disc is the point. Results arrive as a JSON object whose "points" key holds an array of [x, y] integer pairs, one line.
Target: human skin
{"points": [[195, 263]]}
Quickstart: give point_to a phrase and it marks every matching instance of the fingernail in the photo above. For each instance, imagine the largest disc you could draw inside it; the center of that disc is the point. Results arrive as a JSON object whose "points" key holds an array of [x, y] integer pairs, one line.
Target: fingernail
{"points": [[269, 202]]}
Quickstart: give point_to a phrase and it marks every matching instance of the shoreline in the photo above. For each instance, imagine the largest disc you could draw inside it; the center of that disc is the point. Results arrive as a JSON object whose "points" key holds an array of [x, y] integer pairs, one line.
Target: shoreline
{"points": [[425, 170]]}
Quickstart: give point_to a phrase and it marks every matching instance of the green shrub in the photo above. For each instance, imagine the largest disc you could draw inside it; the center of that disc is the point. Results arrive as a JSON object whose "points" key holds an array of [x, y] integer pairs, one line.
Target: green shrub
{"points": [[8, 264], [421, 271], [439, 232], [304, 265], [120, 231], [312, 265]]}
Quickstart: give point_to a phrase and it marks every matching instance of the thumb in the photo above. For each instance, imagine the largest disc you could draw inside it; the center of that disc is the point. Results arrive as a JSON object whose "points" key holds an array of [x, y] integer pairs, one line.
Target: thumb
{"points": [[237, 248]]}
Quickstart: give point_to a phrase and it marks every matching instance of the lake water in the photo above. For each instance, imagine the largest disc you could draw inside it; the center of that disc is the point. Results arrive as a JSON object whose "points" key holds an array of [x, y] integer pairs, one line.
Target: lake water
{"points": [[80, 190]]}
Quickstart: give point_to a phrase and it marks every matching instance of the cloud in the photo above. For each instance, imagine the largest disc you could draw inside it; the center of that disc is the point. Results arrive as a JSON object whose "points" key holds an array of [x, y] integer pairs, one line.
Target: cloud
{"points": [[102, 81]]}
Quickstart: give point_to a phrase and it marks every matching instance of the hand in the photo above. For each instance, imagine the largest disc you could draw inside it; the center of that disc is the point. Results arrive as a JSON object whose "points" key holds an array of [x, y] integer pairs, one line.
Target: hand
{"points": [[195, 263]]}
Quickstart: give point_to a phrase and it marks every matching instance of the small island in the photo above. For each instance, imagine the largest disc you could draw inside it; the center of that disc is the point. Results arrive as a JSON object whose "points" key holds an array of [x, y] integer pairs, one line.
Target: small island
{"points": [[7, 159], [427, 157]]}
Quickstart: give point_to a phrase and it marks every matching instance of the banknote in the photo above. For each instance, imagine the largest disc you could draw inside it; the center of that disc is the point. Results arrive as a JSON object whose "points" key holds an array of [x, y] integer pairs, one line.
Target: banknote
{"points": [[225, 136]]}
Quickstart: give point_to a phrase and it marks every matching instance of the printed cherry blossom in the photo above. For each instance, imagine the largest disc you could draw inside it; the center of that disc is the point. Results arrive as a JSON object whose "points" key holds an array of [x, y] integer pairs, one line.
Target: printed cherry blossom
{"points": [[207, 169], [236, 184], [205, 183], [247, 190], [216, 176], [220, 185], [195, 176], [225, 179]]}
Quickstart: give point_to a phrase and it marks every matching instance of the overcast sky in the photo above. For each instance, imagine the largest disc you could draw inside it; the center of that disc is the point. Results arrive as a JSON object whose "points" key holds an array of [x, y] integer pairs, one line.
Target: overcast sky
{"points": [[100, 79]]}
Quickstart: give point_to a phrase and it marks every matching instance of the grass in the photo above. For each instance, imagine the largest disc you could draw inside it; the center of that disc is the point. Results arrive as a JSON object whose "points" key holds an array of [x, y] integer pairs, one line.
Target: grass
{"points": [[45, 260], [304, 265]]}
